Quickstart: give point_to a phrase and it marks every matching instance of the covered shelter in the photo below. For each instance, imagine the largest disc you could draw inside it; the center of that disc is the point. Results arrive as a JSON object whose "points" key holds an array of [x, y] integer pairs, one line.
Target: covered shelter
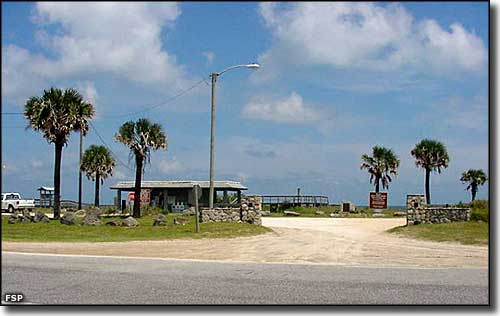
{"points": [[176, 196], [46, 197]]}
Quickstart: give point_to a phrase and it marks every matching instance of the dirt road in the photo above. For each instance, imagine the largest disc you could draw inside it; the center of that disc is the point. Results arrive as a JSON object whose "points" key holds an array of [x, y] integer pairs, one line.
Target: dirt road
{"points": [[293, 240]]}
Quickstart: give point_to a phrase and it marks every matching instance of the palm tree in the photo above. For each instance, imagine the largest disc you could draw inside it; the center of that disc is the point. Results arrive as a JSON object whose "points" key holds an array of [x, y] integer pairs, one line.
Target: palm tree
{"points": [[474, 178], [432, 156], [380, 166], [56, 114], [98, 163], [141, 137]]}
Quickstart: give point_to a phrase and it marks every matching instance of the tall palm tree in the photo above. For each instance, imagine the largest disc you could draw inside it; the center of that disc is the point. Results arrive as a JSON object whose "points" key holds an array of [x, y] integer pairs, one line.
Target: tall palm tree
{"points": [[98, 164], [432, 156], [380, 166], [56, 114], [474, 178], [141, 137]]}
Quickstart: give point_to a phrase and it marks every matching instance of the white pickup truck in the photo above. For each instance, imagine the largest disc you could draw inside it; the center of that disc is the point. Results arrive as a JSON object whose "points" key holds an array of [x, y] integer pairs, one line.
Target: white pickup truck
{"points": [[12, 201]]}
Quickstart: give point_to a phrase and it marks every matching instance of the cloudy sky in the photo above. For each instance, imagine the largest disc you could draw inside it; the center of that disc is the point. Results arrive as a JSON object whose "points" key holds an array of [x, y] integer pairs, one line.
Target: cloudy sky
{"points": [[336, 79]]}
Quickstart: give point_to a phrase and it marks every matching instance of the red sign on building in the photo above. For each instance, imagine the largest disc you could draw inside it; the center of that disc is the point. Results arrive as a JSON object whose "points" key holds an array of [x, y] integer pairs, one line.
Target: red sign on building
{"points": [[378, 200], [145, 197]]}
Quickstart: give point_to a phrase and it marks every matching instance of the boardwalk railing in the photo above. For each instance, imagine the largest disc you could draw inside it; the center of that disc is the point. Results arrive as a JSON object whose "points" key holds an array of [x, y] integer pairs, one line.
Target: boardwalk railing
{"points": [[295, 200]]}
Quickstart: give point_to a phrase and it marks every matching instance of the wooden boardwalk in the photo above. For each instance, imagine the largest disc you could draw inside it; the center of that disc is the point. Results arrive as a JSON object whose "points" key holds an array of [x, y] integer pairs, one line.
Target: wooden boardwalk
{"points": [[295, 200]]}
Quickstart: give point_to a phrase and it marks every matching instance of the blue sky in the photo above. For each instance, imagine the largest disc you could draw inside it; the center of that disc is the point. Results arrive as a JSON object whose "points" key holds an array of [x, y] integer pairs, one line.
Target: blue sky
{"points": [[336, 79]]}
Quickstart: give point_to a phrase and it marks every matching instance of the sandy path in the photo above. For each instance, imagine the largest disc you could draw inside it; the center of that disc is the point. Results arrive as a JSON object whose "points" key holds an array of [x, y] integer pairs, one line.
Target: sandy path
{"points": [[294, 240]]}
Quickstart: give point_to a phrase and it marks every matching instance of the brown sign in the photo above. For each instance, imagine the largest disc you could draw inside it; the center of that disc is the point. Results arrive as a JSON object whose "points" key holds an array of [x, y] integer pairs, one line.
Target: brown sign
{"points": [[145, 197], [378, 200]]}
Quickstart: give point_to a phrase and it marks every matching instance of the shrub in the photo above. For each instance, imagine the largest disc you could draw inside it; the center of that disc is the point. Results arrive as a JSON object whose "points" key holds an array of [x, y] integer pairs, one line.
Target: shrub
{"points": [[151, 210], [480, 210]]}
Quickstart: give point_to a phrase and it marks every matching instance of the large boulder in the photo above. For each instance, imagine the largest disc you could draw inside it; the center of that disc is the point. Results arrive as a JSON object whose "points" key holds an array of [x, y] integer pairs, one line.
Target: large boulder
{"points": [[113, 223], [180, 221], [265, 213], [13, 219], [91, 219], [319, 213], [160, 220], [130, 222], [290, 213], [41, 217], [69, 218], [189, 211], [26, 218]]}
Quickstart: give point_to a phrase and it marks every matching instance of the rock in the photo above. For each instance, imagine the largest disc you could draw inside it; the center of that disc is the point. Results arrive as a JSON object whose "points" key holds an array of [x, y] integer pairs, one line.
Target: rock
{"points": [[13, 219], [189, 211], [41, 217], [69, 218], [184, 221], [113, 223], [91, 219], [160, 220], [334, 215], [265, 213], [396, 214], [378, 215], [319, 213], [26, 219], [130, 222], [93, 211], [290, 213]]}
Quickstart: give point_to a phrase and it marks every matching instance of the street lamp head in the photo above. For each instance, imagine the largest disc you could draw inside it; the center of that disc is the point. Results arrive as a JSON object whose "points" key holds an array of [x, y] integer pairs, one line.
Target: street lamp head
{"points": [[253, 66]]}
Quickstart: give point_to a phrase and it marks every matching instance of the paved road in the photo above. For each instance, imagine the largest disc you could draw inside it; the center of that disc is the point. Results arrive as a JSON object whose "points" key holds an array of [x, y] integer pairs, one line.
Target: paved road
{"points": [[51, 279]]}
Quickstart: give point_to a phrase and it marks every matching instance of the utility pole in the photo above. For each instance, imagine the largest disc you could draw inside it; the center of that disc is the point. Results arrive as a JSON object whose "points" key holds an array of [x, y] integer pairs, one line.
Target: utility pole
{"points": [[212, 143], [80, 173]]}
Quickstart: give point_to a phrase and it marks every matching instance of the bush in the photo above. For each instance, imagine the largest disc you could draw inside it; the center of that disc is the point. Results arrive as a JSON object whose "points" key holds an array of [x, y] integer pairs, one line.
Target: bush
{"points": [[151, 210], [480, 210]]}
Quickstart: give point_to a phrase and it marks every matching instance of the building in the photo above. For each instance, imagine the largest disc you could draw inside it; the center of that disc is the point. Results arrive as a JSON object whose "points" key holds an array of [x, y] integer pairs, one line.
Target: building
{"points": [[46, 197], [176, 196]]}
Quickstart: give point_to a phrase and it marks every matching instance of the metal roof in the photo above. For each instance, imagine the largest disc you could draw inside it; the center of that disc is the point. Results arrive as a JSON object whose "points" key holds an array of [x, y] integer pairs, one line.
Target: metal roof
{"points": [[46, 188], [178, 184]]}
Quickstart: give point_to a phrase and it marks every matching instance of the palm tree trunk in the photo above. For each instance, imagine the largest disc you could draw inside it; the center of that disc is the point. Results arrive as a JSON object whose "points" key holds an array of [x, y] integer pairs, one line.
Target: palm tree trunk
{"points": [[474, 191], [57, 180], [137, 191], [96, 198], [377, 184], [427, 185]]}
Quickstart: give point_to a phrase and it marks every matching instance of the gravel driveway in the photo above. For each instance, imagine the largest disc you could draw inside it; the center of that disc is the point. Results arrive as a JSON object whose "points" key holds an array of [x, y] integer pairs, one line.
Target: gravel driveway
{"points": [[345, 241]]}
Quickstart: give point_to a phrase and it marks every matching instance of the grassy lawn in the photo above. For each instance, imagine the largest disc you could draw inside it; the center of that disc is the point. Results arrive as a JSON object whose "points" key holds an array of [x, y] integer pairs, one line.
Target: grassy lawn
{"points": [[310, 212], [474, 232], [467, 233], [54, 231]]}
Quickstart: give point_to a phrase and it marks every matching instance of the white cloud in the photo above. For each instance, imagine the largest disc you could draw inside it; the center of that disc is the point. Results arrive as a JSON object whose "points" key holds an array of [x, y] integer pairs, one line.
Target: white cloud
{"points": [[170, 166], [210, 56], [365, 36], [88, 91], [36, 164], [89, 38], [289, 110]]}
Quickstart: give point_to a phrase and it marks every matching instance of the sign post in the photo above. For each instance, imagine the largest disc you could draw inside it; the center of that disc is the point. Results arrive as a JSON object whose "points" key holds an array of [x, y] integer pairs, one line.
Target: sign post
{"points": [[378, 200], [197, 195]]}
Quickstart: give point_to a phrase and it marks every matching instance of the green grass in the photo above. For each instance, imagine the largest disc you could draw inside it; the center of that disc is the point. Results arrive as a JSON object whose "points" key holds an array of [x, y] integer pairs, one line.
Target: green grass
{"points": [[57, 232], [310, 212], [467, 233]]}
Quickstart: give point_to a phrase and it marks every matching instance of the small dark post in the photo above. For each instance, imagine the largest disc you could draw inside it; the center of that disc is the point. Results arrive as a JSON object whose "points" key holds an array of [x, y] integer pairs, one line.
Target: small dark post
{"points": [[298, 196], [197, 195]]}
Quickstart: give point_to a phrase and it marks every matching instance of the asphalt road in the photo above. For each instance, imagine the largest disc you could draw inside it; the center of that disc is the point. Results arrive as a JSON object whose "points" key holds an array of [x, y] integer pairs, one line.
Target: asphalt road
{"points": [[52, 279]]}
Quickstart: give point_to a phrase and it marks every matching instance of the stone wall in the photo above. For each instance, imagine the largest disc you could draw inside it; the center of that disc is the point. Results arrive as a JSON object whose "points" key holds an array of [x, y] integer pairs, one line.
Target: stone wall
{"points": [[418, 212], [438, 215], [249, 212]]}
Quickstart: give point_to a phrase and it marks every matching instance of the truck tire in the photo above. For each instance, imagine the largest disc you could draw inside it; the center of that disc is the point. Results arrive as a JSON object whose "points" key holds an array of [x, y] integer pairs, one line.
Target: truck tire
{"points": [[11, 209]]}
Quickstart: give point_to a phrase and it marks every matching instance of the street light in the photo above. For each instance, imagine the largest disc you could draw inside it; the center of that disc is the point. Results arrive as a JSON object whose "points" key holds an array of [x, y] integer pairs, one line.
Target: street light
{"points": [[214, 76]]}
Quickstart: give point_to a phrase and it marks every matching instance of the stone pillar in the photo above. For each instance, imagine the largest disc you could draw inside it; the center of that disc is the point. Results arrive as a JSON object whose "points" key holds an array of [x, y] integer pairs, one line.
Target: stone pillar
{"points": [[119, 199]]}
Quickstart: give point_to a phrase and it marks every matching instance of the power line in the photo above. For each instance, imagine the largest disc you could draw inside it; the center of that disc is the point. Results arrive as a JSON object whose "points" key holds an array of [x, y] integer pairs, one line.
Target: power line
{"points": [[105, 144], [173, 98], [148, 108]]}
